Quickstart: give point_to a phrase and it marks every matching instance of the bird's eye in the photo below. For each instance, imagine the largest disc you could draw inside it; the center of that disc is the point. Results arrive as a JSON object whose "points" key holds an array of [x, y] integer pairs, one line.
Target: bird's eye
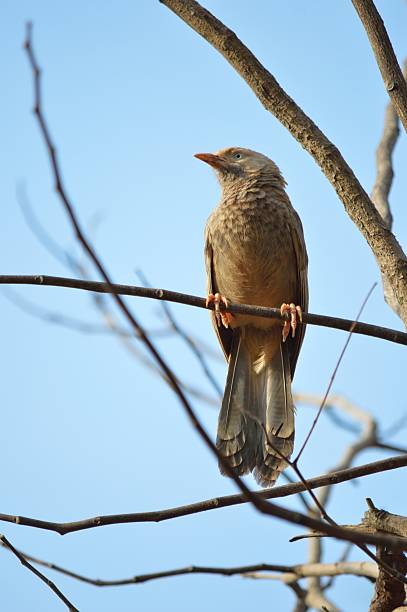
{"points": [[237, 156]]}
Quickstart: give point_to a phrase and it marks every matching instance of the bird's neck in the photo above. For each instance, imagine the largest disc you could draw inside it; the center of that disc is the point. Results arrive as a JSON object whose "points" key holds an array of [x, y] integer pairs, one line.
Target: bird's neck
{"points": [[251, 187]]}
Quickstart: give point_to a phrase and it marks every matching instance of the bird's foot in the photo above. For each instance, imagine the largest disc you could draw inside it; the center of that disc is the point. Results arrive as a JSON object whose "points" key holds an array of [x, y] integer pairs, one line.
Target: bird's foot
{"points": [[224, 318], [295, 316]]}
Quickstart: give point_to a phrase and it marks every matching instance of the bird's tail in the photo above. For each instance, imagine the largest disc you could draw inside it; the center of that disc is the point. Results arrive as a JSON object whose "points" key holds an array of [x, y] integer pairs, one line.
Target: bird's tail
{"points": [[256, 421]]}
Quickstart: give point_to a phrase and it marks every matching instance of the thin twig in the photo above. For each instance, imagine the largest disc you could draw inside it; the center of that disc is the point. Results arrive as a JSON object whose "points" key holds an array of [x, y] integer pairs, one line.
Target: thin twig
{"points": [[285, 476], [56, 318], [338, 363], [40, 232], [34, 570]]}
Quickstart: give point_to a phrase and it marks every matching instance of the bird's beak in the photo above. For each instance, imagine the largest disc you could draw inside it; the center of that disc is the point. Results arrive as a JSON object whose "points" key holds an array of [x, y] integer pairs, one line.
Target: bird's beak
{"points": [[213, 160]]}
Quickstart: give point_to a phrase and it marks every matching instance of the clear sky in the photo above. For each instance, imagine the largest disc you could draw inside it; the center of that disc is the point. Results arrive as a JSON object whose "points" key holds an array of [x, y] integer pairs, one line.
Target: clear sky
{"points": [[131, 93]]}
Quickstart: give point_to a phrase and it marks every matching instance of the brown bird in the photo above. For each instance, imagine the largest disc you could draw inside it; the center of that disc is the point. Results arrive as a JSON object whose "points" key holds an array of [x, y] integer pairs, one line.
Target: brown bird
{"points": [[255, 254]]}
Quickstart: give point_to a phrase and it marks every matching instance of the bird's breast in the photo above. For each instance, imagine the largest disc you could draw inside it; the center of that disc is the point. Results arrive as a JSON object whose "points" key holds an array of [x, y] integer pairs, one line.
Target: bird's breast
{"points": [[253, 256]]}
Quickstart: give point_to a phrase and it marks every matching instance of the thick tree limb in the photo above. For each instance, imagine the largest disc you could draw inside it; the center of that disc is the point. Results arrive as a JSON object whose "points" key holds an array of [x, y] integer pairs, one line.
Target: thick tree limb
{"points": [[210, 504], [381, 520], [392, 335], [386, 59], [389, 254], [389, 592], [374, 521]]}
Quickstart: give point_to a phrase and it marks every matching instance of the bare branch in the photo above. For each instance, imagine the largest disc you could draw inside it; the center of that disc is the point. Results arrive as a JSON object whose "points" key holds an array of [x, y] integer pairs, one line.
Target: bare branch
{"points": [[384, 179], [386, 59], [384, 168], [289, 575], [41, 576], [211, 504], [366, 329], [381, 520], [388, 252], [291, 572], [365, 569]]}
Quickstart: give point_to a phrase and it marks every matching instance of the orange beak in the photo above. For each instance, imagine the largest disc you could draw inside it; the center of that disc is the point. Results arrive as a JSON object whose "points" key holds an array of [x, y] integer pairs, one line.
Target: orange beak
{"points": [[213, 160]]}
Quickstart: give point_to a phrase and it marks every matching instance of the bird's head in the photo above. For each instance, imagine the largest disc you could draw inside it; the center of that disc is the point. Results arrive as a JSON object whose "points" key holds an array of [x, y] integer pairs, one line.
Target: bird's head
{"points": [[236, 163]]}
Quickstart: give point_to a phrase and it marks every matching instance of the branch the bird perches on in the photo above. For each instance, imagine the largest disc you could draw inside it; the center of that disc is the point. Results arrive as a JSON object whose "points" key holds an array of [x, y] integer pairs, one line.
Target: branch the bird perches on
{"points": [[366, 329]]}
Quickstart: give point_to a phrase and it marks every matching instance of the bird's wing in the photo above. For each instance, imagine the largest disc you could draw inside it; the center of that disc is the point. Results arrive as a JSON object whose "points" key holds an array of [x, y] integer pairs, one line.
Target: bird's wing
{"points": [[301, 298], [225, 335]]}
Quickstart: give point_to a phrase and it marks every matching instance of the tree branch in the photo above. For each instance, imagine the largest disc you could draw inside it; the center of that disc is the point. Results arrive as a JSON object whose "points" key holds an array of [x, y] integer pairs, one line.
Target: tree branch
{"points": [[388, 252], [292, 572], [383, 182], [381, 520], [386, 59], [365, 569], [389, 592], [158, 516], [366, 329]]}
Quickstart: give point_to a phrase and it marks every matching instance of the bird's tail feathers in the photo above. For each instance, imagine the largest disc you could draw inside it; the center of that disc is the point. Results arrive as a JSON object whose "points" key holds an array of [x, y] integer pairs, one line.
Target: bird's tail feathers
{"points": [[238, 434], [256, 421], [277, 440]]}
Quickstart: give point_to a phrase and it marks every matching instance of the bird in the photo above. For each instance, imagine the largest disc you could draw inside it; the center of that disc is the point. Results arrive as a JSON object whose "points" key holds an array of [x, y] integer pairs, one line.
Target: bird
{"points": [[255, 254]]}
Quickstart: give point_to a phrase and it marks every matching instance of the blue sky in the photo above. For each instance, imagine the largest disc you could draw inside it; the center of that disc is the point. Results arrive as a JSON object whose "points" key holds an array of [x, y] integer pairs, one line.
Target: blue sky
{"points": [[130, 94]]}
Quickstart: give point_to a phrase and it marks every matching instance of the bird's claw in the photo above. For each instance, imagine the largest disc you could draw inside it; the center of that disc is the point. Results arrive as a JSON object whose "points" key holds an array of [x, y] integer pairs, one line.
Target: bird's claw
{"points": [[295, 315], [222, 318]]}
